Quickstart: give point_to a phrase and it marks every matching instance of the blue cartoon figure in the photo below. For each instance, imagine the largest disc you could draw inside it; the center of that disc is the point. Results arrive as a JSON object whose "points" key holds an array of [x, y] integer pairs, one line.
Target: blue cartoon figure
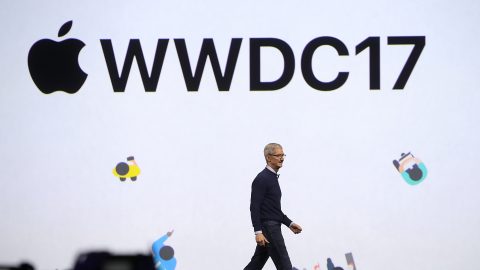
{"points": [[411, 168], [163, 255]]}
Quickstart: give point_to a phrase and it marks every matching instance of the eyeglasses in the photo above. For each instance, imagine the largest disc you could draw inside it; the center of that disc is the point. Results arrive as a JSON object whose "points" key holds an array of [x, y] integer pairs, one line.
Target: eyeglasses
{"points": [[279, 155]]}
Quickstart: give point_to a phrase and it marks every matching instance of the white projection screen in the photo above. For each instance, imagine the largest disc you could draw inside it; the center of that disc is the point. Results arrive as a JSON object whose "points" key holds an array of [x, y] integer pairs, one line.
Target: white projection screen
{"points": [[345, 86]]}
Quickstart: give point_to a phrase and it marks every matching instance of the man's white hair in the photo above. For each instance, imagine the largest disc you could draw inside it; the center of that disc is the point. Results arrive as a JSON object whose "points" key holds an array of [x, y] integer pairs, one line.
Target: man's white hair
{"points": [[270, 148]]}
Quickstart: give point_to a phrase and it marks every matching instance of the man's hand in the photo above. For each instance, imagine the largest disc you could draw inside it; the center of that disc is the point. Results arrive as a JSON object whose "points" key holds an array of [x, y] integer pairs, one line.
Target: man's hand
{"points": [[295, 228], [170, 233], [261, 240]]}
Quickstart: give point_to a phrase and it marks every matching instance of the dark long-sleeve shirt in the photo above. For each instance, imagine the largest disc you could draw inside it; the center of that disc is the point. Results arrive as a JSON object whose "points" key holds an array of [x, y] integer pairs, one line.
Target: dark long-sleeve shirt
{"points": [[265, 200]]}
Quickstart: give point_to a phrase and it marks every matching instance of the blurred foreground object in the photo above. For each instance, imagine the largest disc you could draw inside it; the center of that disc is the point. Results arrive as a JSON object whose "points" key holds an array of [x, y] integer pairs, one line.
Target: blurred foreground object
{"points": [[22, 266], [107, 261]]}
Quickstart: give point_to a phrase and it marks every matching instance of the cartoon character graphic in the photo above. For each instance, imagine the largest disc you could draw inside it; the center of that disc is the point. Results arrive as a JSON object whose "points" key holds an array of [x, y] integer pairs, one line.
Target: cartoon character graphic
{"points": [[331, 266], [124, 170], [163, 255], [350, 261], [412, 169]]}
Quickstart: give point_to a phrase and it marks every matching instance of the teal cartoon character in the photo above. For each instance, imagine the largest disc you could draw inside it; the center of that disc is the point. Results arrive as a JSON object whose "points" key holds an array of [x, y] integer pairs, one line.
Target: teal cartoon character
{"points": [[411, 168], [163, 255]]}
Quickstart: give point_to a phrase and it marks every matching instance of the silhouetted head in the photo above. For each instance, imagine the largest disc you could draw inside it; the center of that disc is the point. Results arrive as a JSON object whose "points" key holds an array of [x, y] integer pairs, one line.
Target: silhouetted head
{"points": [[26, 266], [166, 252]]}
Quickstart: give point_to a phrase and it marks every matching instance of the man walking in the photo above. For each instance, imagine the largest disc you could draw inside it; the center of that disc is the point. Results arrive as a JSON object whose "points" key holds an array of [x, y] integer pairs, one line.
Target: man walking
{"points": [[267, 216]]}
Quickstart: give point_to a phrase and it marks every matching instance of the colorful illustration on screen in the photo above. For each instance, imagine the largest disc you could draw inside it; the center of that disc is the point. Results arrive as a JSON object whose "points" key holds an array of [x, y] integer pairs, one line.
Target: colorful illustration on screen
{"points": [[331, 266], [412, 169], [350, 263], [125, 170], [163, 255]]}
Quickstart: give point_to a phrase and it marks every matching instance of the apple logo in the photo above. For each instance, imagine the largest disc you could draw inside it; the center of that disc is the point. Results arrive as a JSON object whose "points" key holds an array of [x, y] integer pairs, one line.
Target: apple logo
{"points": [[54, 65]]}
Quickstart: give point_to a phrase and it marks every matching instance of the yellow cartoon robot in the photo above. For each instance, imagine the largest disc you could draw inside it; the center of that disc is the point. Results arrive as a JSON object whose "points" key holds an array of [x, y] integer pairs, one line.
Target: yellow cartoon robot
{"points": [[124, 170]]}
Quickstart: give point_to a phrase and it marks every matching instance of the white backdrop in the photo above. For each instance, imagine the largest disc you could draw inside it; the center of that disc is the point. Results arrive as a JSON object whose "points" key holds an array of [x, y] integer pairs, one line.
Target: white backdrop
{"points": [[199, 151]]}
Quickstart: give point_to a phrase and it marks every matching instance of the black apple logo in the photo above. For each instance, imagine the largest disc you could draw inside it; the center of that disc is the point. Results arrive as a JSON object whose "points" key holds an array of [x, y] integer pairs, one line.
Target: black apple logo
{"points": [[54, 65]]}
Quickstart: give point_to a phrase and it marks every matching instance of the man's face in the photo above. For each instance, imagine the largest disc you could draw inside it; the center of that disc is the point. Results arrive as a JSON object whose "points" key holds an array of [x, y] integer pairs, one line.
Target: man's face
{"points": [[275, 160]]}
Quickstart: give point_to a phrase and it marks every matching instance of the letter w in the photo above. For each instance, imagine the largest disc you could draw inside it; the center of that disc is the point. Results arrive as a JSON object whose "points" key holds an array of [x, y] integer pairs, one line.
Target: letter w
{"points": [[208, 50], [134, 50]]}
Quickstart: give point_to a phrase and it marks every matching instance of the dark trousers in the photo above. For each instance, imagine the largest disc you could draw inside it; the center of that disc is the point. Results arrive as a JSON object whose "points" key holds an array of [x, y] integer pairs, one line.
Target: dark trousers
{"points": [[276, 249]]}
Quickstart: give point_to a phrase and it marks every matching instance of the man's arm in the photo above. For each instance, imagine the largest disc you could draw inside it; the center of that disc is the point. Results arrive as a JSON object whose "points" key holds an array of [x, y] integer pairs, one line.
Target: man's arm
{"points": [[295, 228], [286, 221], [256, 200], [292, 225]]}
